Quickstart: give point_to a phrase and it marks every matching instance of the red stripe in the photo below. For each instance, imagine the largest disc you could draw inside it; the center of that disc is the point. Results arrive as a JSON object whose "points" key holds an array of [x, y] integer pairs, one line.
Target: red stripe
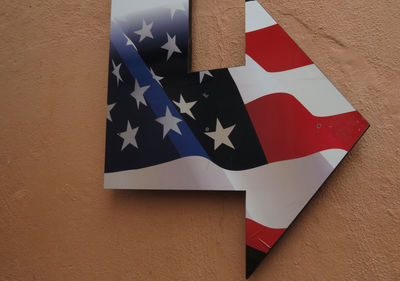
{"points": [[287, 130], [261, 237], [274, 50]]}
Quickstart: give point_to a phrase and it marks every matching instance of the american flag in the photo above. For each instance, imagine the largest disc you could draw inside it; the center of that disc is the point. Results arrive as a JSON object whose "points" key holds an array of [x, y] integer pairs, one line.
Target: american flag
{"points": [[275, 127]]}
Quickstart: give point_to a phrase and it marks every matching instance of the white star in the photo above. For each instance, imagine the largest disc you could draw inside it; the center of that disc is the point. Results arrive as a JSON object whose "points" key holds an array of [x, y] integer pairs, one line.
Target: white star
{"points": [[179, 7], [202, 73], [129, 136], [109, 108], [171, 46], [184, 107], [169, 122], [145, 32], [129, 42], [116, 72], [122, 18], [221, 135], [138, 93], [155, 77]]}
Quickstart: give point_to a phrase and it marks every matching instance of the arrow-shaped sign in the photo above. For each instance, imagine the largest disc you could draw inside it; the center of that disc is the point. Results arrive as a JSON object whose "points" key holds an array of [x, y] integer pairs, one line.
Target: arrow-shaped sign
{"points": [[275, 127]]}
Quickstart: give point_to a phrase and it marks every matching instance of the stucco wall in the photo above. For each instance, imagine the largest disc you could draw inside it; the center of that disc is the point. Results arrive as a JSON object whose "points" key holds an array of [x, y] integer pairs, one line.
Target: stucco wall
{"points": [[57, 222]]}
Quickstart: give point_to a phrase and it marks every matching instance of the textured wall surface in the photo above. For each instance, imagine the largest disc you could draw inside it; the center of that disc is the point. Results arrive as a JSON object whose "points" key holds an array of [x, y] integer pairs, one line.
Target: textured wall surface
{"points": [[57, 222]]}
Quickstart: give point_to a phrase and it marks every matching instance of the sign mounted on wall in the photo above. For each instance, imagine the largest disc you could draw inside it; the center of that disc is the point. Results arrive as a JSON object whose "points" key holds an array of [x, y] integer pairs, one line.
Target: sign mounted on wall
{"points": [[275, 127]]}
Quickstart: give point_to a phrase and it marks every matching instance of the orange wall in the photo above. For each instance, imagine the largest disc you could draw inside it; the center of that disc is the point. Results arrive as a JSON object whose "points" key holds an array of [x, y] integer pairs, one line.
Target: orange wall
{"points": [[57, 222]]}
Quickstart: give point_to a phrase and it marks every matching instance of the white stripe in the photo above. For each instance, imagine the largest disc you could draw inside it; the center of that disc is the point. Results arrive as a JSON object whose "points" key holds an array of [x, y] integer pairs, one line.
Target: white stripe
{"points": [[257, 17], [189, 173], [307, 84], [275, 193], [334, 156]]}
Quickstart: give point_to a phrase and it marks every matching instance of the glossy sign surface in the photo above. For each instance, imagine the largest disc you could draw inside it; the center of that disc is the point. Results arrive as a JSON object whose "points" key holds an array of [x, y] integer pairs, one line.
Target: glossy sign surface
{"points": [[275, 127]]}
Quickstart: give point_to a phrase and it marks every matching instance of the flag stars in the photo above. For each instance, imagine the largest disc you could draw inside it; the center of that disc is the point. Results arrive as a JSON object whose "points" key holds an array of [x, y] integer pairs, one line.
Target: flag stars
{"points": [[202, 73], [178, 7], [185, 107], [221, 135], [109, 108], [169, 123], [129, 136], [116, 73], [171, 46], [155, 77], [138, 94], [129, 42], [145, 32]]}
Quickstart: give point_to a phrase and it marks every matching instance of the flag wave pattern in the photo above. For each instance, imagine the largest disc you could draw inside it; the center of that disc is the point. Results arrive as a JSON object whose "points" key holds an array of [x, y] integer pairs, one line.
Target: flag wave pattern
{"points": [[275, 127], [295, 110]]}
